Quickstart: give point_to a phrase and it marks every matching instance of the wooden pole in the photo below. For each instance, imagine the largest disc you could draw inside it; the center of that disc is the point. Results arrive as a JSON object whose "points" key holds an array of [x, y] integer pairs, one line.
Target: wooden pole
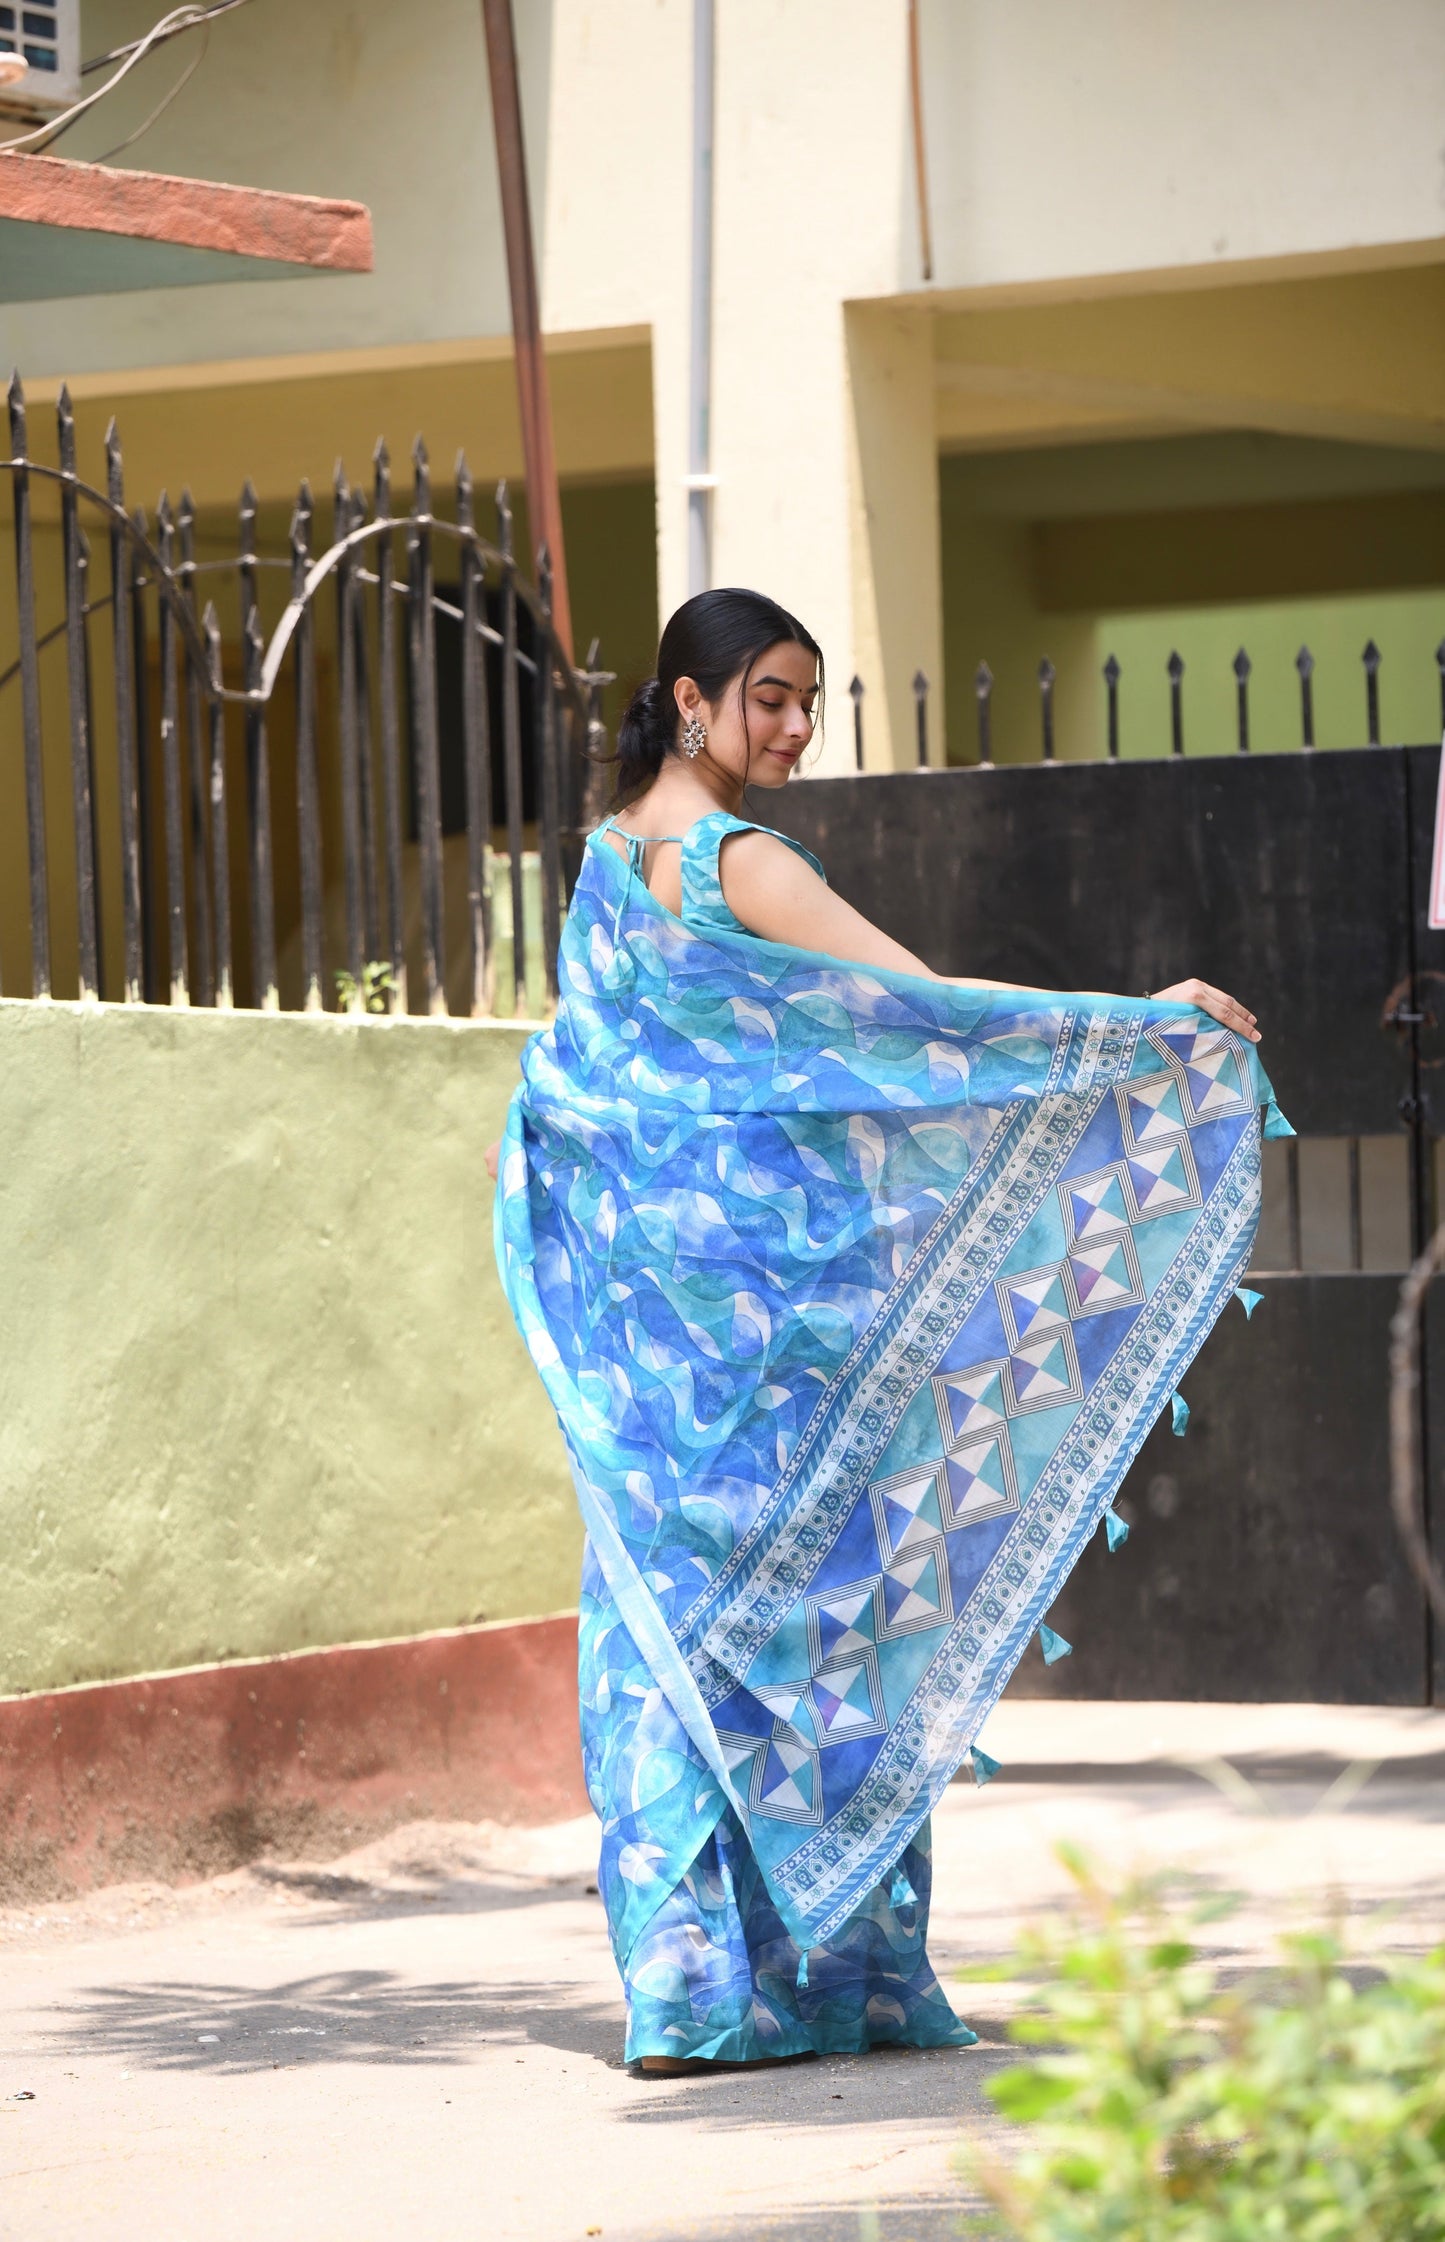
{"points": [[543, 500]]}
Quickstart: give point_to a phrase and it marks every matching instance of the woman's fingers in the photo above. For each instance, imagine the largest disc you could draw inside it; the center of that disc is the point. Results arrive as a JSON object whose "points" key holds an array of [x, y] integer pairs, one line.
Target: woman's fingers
{"points": [[1218, 1003], [491, 1157]]}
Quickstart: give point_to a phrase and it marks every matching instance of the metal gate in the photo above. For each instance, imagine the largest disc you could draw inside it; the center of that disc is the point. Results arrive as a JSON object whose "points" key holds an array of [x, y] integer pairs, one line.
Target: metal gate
{"points": [[1264, 1563]]}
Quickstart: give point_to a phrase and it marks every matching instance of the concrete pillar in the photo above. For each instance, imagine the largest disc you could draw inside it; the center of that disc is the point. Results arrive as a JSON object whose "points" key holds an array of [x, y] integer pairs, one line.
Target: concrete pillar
{"points": [[822, 415], [894, 541]]}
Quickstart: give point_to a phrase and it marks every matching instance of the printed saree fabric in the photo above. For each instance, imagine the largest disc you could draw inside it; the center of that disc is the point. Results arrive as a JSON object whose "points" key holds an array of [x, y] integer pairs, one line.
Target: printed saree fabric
{"points": [[855, 1293]]}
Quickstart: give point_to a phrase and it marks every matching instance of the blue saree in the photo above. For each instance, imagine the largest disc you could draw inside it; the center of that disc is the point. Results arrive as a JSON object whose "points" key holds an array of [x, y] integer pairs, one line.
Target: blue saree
{"points": [[856, 1294]]}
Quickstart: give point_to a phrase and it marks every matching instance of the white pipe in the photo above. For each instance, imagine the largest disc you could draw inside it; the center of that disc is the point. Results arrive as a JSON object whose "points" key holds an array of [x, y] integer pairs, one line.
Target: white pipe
{"points": [[700, 480]]}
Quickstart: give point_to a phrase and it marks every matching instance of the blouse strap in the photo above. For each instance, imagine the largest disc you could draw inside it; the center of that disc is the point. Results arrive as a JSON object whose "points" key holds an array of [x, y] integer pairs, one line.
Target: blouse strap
{"points": [[702, 895]]}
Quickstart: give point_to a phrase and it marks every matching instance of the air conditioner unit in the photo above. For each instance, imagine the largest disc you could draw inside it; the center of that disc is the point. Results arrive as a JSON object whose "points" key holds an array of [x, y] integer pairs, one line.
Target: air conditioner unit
{"points": [[39, 57]]}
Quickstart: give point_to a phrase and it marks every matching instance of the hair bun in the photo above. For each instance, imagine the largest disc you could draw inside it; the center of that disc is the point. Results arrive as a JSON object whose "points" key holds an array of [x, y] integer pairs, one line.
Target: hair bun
{"points": [[648, 729]]}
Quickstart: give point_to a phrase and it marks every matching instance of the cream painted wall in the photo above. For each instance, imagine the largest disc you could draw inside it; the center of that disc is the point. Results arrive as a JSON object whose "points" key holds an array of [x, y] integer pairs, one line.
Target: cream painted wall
{"points": [[1141, 150], [1142, 135]]}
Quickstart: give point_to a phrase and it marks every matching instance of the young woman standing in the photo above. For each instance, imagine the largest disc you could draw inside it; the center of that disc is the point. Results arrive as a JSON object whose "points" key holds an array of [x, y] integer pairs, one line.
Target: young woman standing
{"points": [[856, 1291]]}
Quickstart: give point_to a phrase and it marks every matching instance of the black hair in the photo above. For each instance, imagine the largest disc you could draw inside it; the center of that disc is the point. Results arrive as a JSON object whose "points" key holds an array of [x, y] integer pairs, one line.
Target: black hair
{"points": [[713, 638]]}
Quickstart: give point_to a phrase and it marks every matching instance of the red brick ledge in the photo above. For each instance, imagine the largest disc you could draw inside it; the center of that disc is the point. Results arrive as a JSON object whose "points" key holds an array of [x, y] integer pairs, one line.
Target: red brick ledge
{"points": [[198, 213], [178, 1776]]}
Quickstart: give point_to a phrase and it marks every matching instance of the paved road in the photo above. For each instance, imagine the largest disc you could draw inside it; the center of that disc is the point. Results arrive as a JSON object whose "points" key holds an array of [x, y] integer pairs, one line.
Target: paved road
{"points": [[425, 2037]]}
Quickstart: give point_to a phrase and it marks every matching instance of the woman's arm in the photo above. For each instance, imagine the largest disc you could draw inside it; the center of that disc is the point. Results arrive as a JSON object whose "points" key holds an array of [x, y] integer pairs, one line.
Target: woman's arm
{"points": [[780, 897]]}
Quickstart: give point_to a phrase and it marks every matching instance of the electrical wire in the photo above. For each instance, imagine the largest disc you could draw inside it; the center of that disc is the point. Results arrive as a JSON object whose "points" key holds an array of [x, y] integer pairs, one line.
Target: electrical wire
{"points": [[163, 104], [170, 26], [198, 14]]}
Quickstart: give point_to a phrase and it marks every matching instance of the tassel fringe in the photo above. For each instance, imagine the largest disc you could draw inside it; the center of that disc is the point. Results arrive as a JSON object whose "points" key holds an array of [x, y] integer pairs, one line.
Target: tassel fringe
{"points": [[984, 1768], [1117, 1529], [1053, 1646], [1248, 1300], [1180, 1408]]}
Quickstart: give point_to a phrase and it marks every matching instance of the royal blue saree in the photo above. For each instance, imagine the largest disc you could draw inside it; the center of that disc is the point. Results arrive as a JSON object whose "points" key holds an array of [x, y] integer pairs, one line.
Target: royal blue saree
{"points": [[856, 1294]]}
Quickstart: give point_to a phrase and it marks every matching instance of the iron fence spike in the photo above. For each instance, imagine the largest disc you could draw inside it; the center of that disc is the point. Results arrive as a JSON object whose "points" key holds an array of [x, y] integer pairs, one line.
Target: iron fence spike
{"points": [[16, 401], [1112, 672], [1304, 662], [920, 682], [1243, 666], [983, 680], [1175, 666]]}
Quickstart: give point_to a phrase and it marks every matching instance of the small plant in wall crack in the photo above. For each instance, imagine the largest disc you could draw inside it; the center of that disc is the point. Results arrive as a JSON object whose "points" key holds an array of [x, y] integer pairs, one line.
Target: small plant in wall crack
{"points": [[370, 993]]}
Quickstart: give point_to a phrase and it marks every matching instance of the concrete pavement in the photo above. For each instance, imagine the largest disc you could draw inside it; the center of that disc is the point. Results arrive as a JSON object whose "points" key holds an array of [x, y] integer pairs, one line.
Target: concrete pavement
{"points": [[425, 2037]]}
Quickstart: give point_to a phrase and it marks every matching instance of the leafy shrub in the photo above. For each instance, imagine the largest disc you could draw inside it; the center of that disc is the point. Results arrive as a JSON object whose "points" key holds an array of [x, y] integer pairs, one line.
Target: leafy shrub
{"points": [[1165, 2106]]}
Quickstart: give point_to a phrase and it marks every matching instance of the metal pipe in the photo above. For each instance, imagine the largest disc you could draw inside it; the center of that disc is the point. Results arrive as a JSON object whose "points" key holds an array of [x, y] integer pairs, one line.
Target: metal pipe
{"points": [[544, 505], [920, 152], [700, 480]]}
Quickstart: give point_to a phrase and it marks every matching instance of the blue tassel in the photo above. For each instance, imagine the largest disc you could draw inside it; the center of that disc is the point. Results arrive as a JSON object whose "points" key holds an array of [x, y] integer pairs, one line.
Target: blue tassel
{"points": [[1248, 1300], [1053, 1646], [984, 1768], [900, 1892], [803, 1971], [1181, 1415], [1117, 1529]]}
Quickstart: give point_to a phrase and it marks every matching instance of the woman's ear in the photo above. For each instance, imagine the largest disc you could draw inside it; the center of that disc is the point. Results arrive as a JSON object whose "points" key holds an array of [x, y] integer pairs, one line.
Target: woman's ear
{"points": [[687, 696]]}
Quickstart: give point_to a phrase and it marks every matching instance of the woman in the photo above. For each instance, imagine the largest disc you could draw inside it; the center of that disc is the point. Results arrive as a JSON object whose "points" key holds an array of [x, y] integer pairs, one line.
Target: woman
{"points": [[856, 1291]]}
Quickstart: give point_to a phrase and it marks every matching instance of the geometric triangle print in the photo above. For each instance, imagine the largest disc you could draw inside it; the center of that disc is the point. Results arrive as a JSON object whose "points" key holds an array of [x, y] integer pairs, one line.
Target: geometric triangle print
{"points": [[911, 1513], [970, 1400], [916, 1593], [1212, 1081], [1105, 1277], [1094, 1205], [789, 1777], [1151, 1108], [1162, 1179], [981, 1481], [844, 1699], [1032, 1303], [1188, 1045], [844, 1620], [1046, 1375]]}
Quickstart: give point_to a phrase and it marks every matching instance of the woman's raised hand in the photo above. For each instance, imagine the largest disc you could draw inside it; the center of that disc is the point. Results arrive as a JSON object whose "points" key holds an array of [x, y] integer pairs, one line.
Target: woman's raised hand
{"points": [[491, 1156], [1225, 1009]]}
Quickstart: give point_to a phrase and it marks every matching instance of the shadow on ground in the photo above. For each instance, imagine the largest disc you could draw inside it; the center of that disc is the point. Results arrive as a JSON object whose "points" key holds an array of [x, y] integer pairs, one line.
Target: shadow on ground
{"points": [[353, 2016]]}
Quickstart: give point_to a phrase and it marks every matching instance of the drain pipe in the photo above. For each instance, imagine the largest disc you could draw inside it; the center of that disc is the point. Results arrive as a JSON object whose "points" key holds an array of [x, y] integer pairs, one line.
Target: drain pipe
{"points": [[701, 482]]}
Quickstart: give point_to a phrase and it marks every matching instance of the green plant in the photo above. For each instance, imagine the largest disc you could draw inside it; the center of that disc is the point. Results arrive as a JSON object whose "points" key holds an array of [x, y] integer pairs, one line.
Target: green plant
{"points": [[1165, 2106], [372, 990]]}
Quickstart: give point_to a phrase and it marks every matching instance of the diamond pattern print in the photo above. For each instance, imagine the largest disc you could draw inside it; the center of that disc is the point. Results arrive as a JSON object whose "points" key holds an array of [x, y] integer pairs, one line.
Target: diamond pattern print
{"points": [[907, 1509], [916, 1592], [1100, 1277], [1033, 1303], [979, 1480], [1161, 1179], [848, 1699], [844, 1620], [1094, 1206], [970, 1401], [1208, 1066], [1150, 1109], [1043, 1373]]}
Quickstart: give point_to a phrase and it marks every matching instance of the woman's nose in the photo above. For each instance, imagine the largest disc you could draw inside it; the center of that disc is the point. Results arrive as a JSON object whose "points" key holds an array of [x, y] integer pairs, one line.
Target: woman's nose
{"points": [[799, 725]]}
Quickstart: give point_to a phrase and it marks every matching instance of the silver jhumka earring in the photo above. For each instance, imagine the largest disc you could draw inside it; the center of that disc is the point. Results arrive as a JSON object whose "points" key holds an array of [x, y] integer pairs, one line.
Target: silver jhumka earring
{"points": [[694, 737]]}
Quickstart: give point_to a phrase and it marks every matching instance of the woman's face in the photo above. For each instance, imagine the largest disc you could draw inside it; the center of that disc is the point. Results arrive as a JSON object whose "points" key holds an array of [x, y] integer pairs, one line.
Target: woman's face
{"points": [[781, 697]]}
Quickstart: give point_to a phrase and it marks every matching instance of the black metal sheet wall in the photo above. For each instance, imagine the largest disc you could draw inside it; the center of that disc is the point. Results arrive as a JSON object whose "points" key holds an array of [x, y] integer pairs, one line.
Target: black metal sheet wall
{"points": [[1262, 1564], [1280, 878]]}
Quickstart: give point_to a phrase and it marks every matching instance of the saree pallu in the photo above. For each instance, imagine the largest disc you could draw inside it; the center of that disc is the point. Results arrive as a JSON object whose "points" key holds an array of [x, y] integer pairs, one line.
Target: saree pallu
{"points": [[856, 1294]]}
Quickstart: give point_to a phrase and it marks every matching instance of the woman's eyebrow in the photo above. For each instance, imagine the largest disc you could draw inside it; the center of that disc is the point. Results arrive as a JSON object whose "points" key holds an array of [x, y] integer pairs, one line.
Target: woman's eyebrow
{"points": [[784, 685]]}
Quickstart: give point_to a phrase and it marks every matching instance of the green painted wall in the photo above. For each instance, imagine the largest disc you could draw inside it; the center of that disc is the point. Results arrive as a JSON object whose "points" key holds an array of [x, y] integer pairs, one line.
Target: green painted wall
{"points": [[258, 1385], [1200, 543]]}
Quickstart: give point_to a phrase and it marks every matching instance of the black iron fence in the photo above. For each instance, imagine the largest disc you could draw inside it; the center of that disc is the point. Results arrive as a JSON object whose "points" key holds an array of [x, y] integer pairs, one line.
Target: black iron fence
{"points": [[1111, 672], [164, 716]]}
